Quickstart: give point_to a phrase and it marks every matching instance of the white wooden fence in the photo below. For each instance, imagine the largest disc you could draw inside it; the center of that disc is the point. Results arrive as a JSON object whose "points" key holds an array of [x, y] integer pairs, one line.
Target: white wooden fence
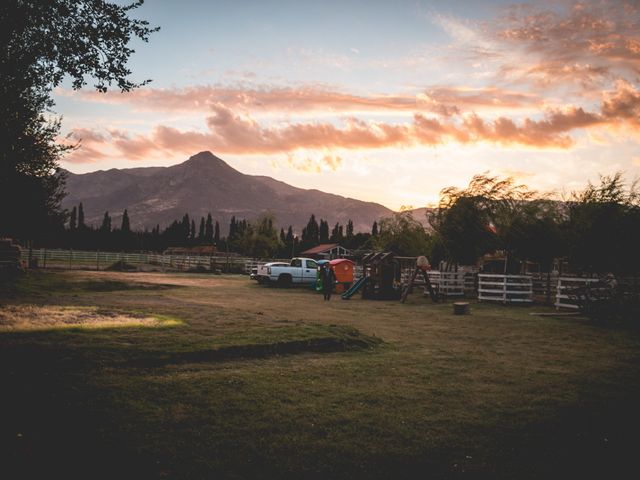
{"points": [[566, 295], [96, 260], [448, 283], [505, 288]]}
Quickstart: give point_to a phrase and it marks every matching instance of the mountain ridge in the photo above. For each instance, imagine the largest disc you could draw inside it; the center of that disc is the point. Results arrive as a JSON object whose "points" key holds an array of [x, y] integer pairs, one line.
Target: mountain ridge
{"points": [[205, 183]]}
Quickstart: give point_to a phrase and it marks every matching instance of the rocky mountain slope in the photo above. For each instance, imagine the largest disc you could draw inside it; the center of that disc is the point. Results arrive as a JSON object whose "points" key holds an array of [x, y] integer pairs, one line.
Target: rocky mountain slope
{"points": [[202, 184]]}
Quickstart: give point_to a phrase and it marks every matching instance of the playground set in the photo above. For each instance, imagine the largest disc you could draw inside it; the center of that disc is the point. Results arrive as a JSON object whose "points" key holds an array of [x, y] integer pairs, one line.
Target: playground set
{"points": [[382, 278]]}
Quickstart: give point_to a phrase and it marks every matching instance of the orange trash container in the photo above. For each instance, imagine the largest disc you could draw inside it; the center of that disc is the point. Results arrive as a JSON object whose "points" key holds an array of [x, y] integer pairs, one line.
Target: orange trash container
{"points": [[343, 270]]}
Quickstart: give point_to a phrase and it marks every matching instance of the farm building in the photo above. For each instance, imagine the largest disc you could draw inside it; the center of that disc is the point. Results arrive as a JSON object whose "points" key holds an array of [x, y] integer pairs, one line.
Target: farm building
{"points": [[326, 251], [195, 250]]}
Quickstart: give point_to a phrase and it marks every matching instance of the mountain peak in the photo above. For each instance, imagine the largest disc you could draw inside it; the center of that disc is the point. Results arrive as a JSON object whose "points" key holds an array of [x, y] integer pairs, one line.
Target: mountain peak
{"points": [[207, 160], [206, 184], [204, 157]]}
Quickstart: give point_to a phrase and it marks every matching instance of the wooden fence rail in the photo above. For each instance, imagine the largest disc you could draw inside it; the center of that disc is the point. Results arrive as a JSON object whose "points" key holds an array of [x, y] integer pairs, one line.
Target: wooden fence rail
{"points": [[97, 260], [567, 288], [505, 288], [448, 283]]}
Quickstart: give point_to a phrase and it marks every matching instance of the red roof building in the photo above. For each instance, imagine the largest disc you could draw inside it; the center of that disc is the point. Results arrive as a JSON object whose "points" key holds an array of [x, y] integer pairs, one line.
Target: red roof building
{"points": [[326, 251]]}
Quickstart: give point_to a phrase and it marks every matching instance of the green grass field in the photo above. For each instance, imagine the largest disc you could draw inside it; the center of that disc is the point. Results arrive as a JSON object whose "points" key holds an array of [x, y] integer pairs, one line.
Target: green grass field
{"points": [[200, 376]]}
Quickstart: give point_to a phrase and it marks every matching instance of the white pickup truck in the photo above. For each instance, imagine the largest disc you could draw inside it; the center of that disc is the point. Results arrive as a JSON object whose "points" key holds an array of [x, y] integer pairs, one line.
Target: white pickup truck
{"points": [[301, 271]]}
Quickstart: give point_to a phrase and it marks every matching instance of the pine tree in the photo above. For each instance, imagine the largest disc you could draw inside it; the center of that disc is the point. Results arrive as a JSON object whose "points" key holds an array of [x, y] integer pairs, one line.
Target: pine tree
{"points": [[283, 236], [72, 219], [374, 228], [311, 234], [216, 235], [192, 232], [81, 224], [290, 237], [106, 223], [233, 232], [349, 229], [201, 231], [125, 227], [185, 229], [208, 229], [323, 233], [336, 233]]}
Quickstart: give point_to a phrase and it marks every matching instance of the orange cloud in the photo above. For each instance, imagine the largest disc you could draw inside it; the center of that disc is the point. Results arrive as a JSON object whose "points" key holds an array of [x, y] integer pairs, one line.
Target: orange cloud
{"points": [[233, 133], [307, 164], [439, 100], [588, 43], [623, 103]]}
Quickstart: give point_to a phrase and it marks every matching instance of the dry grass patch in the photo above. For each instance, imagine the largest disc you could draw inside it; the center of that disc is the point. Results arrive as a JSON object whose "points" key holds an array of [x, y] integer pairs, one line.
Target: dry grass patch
{"points": [[33, 317]]}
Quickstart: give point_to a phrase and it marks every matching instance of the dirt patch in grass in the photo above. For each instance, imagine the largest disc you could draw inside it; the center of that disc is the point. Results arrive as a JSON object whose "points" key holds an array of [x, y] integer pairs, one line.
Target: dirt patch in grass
{"points": [[160, 279], [32, 317]]}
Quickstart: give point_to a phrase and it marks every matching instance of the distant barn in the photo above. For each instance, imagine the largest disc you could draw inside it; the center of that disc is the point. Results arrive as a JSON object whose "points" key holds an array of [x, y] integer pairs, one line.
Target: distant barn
{"points": [[326, 251], [195, 250]]}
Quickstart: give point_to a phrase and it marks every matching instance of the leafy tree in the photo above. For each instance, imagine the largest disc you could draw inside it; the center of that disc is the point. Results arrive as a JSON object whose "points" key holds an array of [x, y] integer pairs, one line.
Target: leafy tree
{"points": [[535, 233], [261, 239], [478, 219], [402, 234], [464, 231], [603, 227], [44, 42]]}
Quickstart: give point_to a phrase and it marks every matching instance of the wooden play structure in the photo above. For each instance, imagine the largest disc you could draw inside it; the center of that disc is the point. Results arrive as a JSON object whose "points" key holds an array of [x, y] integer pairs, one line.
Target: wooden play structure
{"points": [[422, 267], [381, 274]]}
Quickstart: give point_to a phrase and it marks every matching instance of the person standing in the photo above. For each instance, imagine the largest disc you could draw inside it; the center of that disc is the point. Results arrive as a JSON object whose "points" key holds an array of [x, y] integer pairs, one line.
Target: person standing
{"points": [[328, 278]]}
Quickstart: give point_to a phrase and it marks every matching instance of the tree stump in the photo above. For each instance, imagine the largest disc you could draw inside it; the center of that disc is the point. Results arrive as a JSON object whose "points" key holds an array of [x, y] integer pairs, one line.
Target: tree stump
{"points": [[461, 308]]}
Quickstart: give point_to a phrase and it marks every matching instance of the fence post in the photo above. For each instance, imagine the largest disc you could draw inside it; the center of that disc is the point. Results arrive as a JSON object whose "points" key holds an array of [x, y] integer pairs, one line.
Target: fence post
{"points": [[70, 256], [98, 260], [504, 288]]}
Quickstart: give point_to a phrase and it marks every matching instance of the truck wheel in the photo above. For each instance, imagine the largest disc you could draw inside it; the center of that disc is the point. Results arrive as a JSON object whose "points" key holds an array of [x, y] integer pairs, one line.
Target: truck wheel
{"points": [[284, 280]]}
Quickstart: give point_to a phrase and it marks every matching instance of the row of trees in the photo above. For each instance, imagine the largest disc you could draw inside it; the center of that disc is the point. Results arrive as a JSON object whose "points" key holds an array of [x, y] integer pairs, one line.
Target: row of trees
{"points": [[258, 238], [595, 230]]}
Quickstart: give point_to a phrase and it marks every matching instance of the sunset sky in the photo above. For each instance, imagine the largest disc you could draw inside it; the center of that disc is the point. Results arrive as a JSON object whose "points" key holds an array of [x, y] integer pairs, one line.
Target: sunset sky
{"points": [[381, 101]]}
